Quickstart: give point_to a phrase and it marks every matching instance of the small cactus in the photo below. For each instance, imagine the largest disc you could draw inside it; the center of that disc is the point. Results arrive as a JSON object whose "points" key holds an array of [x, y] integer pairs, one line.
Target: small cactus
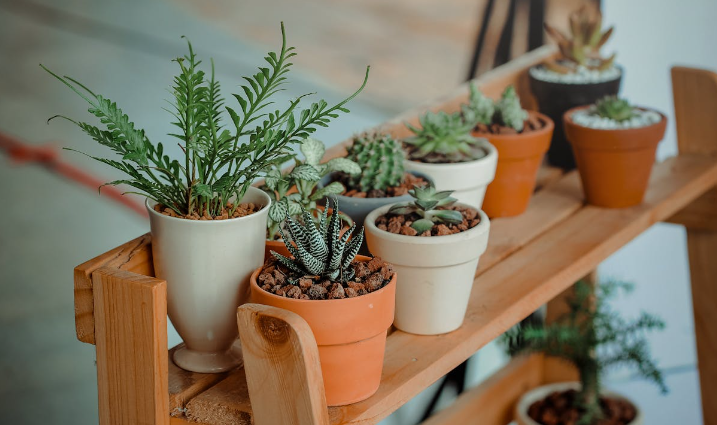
{"points": [[508, 110], [426, 200], [583, 47], [381, 160], [480, 109], [614, 108]]}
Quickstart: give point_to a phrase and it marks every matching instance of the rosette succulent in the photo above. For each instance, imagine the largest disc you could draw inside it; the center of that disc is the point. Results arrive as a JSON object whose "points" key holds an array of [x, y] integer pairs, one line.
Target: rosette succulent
{"points": [[615, 108], [444, 137], [427, 200]]}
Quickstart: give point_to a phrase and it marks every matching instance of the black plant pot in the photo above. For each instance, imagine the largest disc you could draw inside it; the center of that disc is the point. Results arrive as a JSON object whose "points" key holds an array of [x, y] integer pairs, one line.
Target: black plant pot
{"points": [[556, 98]]}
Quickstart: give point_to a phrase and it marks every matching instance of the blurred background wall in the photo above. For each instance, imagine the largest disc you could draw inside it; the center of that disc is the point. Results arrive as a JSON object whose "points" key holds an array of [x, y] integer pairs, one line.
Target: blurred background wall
{"points": [[418, 50]]}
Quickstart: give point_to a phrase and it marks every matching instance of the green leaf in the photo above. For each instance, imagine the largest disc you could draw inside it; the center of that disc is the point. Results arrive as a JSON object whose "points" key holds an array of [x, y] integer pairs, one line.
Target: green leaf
{"points": [[202, 190], [313, 150], [449, 216], [305, 172], [333, 188], [344, 165], [279, 210], [422, 225]]}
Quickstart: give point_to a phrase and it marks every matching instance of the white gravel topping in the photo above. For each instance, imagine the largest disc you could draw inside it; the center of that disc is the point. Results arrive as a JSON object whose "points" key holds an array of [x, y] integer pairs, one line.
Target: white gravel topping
{"points": [[582, 76], [589, 118]]}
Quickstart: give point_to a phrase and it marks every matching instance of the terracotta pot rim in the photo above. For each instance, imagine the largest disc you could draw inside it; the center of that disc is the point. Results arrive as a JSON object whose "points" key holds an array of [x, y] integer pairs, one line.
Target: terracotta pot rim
{"points": [[568, 120], [361, 258], [492, 151], [549, 126], [558, 83], [151, 211]]}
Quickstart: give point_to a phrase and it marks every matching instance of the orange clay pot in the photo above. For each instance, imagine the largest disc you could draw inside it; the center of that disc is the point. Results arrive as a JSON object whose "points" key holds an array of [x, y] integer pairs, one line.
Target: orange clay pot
{"points": [[614, 164], [519, 158], [350, 334]]}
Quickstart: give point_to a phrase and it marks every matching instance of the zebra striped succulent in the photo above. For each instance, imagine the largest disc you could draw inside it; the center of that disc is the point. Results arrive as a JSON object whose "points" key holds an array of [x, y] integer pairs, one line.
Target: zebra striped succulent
{"points": [[320, 250]]}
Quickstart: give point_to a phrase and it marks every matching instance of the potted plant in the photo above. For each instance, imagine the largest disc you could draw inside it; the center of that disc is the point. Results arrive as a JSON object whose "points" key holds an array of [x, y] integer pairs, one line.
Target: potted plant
{"points": [[296, 190], [593, 338], [208, 224], [579, 76], [614, 144], [435, 244], [381, 179], [444, 149], [521, 139], [347, 300]]}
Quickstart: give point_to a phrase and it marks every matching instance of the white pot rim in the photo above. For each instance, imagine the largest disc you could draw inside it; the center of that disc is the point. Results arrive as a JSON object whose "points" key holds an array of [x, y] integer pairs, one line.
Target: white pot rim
{"points": [[150, 203], [459, 166], [471, 233]]}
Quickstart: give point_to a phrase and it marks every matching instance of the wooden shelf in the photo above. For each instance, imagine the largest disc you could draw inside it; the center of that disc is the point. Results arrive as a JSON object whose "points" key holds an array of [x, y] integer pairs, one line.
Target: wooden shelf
{"points": [[530, 260]]}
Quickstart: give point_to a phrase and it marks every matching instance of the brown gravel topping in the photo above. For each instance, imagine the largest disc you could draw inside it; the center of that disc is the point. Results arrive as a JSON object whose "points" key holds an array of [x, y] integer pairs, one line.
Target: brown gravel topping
{"points": [[279, 280], [409, 182], [533, 123], [558, 408], [241, 211], [401, 224]]}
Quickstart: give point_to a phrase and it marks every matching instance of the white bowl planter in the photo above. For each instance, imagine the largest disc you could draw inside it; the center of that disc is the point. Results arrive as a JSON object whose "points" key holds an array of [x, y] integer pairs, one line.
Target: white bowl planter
{"points": [[207, 265], [536, 394], [435, 274], [468, 180]]}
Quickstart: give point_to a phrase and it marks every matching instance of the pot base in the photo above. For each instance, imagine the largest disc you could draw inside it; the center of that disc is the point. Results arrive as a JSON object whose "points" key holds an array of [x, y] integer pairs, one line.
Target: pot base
{"points": [[206, 362]]}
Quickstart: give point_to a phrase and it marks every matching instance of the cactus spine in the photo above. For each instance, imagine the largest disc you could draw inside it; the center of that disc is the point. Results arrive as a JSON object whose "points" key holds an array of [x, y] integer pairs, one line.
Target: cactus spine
{"points": [[381, 160]]}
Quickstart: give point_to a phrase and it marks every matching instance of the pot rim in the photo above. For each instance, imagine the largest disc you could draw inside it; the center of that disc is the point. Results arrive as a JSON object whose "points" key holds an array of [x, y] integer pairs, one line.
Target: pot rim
{"points": [[362, 258], [558, 83], [485, 144], [354, 199], [550, 125], [474, 232], [264, 208], [568, 120]]}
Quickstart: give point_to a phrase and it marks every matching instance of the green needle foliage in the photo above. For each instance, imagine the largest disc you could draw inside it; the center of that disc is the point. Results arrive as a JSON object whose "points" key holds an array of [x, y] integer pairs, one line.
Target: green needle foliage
{"points": [[593, 338], [219, 163]]}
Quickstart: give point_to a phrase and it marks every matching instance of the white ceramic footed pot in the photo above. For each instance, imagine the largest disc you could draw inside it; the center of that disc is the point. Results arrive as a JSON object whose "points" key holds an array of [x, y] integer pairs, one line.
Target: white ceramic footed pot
{"points": [[521, 409], [468, 180], [435, 274], [207, 265]]}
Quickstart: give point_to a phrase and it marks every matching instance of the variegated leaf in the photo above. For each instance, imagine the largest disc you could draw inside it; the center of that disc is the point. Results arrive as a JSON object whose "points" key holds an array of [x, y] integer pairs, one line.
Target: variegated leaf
{"points": [[344, 165], [313, 150]]}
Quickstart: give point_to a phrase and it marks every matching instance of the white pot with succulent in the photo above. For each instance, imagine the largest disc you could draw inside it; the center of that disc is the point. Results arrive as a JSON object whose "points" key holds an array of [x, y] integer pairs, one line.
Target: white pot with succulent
{"points": [[208, 224], [435, 244], [444, 149]]}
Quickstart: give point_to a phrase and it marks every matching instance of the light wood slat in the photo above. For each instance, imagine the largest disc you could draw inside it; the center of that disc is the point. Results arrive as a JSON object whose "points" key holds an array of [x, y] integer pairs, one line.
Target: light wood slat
{"points": [[282, 367], [226, 403], [133, 256], [493, 401], [695, 99], [700, 214], [131, 341], [185, 385], [510, 291]]}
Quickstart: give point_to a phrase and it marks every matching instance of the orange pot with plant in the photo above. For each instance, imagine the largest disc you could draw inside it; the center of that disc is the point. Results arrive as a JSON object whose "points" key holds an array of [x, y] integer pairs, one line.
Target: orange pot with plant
{"points": [[614, 145], [522, 138], [347, 300]]}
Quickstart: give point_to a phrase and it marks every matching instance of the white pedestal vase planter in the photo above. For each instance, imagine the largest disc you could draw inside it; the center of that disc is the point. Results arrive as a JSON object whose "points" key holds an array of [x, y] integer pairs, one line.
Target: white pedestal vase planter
{"points": [[536, 394], [435, 274], [468, 180], [207, 265]]}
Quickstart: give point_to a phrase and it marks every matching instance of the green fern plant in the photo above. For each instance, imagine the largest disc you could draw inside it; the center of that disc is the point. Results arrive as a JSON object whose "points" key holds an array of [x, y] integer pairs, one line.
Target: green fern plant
{"points": [[319, 249], [304, 177], [426, 203], [219, 163], [380, 160], [593, 338]]}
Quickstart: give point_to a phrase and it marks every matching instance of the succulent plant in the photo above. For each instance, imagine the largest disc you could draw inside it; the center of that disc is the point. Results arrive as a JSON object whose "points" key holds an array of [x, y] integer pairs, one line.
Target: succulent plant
{"points": [[320, 249], [304, 177], [508, 110], [480, 109], [380, 158], [444, 137], [427, 199], [614, 108], [582, 48]]}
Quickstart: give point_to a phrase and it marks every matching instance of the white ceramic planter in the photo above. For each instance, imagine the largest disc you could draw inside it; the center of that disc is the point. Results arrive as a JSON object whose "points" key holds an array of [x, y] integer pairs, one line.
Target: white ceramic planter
{"points": [[435, 274], [207, 265], [521, 410], [468, 180]]}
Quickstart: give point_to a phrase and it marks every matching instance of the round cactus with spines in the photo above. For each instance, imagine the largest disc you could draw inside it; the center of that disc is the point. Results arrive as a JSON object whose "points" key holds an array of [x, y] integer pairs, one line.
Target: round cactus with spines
{"points": [[380, 157]]}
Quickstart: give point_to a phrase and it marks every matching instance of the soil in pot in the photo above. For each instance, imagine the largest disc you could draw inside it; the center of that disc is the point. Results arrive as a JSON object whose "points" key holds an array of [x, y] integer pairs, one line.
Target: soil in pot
{"points": [[559, 408], [519, 158], [401, 224], [409, 182], [241, 211]]}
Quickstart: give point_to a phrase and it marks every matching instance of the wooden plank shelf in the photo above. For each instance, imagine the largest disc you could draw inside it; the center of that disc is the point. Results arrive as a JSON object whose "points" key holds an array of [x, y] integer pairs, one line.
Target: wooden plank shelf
{"points": [[531, 259]]}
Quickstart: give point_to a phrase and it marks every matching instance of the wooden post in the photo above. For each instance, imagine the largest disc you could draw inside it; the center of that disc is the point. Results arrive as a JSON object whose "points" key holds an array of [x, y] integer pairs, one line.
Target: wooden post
{"points": [[282, 366], [130, 315], [695, 99]]}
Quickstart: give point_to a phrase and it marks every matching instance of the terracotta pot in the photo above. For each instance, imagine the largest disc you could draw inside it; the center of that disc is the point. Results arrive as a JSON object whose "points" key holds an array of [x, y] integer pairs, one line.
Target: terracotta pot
{"points": [[537, 394], [436, 273], [519, 158], [207, 265], [350, 334], [555, 98], [614, 165], [468, 180]]}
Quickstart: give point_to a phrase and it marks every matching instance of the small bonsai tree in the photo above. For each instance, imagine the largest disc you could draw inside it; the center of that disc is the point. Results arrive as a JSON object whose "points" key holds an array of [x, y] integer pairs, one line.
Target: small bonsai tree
{"points": [[443, 137], [614, 108], [593, 338], [219, 163], [380, 159], [582, 47], [427, 201], [505, 111], [304, 177]]}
